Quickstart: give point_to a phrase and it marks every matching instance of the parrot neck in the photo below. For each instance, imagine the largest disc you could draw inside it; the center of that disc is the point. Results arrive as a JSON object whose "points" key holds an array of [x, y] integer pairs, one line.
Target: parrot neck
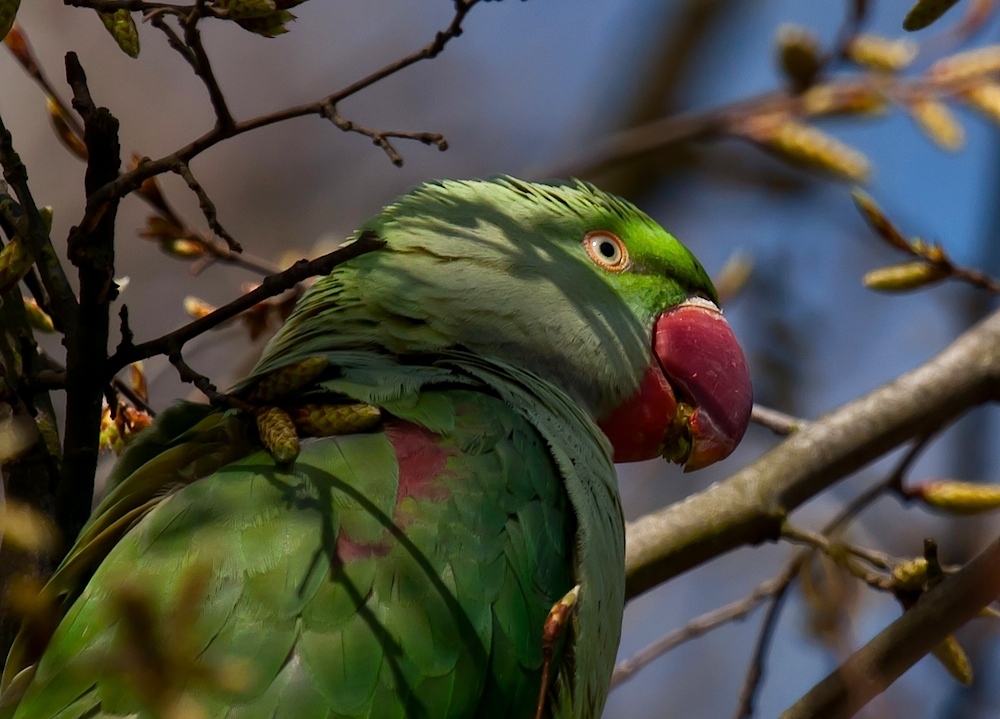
{"points": [[583, 455]]}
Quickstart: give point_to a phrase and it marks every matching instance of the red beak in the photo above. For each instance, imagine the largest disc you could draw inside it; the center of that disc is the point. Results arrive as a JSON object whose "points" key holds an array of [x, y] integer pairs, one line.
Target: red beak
{"points": [[703, 363]]}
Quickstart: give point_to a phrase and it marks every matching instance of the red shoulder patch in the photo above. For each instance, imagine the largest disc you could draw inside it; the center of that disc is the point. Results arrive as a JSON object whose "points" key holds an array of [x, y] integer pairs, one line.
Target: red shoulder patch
{"points": [[422, 464], [422, 460]]}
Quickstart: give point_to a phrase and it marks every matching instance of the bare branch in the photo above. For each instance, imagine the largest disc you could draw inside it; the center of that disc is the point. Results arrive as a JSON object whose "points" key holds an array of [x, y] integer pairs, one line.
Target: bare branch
{"points": [[755, 670], [203, 68], [174, 40], [628, 668], [207, 206], [130, 181], [937, 614], [205, 385], [91, 250], [756, 667], [381, 137], [272, 286], [778, 422], [26, 218]]}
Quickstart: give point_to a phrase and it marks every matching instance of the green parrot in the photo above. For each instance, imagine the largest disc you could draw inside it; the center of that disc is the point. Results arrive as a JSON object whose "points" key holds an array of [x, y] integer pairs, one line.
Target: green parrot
{"points": [[415, 513]]}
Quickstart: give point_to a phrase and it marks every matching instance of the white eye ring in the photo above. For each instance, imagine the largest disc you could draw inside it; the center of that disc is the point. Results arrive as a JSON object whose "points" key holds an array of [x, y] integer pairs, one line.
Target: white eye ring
{"points": [[607, 250]]}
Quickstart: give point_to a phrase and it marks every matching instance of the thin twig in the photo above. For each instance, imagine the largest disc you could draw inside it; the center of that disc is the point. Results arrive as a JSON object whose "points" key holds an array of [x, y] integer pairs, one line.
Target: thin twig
{"points": [[217, 398], [174, 40], [772, 589], [731, 120], [381, 137], [132, 180], [835, 550], [849, 512], [25, 216], [940, 611], [271, 287], [203, 68], [738, 609], [758, 660], [207, 206], [778, 422]]}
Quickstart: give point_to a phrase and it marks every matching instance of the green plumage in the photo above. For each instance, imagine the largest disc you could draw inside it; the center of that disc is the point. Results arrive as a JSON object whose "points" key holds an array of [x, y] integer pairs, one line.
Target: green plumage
{"points": [[408, 571]]}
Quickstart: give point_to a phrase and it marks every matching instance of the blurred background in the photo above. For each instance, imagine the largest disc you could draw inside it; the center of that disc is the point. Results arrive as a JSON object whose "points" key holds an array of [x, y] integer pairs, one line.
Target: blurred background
{"points": [[536, 90]]}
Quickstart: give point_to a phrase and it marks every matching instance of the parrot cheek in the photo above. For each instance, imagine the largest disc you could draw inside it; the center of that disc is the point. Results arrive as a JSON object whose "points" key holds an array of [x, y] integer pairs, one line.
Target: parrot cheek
{"points": [[638, 427]]}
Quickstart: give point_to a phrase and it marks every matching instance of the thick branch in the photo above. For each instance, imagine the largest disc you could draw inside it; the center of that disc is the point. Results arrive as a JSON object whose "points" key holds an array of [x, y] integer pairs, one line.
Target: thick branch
{"points": [[750, 506], [940, 612], [91, 250]]}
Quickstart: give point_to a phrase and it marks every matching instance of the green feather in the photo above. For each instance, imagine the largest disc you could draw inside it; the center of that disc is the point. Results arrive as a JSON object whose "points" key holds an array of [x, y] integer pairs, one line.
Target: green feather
{"points": [[343, 586]]}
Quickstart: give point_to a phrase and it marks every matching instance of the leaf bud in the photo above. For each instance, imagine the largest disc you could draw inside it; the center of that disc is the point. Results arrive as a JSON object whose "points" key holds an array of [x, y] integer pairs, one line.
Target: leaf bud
{"points": [[954, 659], [122, 28], [904, 277], [881, 53], [957, 497], [938, 123]]}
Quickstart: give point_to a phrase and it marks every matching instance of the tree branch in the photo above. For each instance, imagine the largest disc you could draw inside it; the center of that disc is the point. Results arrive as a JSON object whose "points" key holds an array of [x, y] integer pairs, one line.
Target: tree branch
{"points": [[938, 613], [132, 180], [28, 222], [171, 343], [91, 249], [750, 506]]}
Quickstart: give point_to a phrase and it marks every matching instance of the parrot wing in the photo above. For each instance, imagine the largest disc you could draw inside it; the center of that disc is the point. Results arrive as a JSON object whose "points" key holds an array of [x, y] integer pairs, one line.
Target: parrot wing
{"points": [[406, 572]]}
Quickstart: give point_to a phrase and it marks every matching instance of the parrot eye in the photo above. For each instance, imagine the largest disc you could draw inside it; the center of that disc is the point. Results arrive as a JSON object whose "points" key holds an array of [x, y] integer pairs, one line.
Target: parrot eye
{"points": [[607, 250]]}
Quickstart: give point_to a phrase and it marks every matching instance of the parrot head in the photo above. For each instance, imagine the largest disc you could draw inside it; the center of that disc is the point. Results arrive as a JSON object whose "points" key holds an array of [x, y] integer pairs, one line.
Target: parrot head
{"points": [[572, 284]]}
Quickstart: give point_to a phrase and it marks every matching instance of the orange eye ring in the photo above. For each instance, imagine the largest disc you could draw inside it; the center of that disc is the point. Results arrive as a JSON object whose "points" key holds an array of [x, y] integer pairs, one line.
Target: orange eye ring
{"points": [[607, 250]]}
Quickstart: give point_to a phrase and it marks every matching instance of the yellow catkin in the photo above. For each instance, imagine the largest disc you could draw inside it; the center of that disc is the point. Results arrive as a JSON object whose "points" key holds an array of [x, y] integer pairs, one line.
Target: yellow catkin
{"points": [[925, 12], [122, 28], [110, 439], [910, 575], [904, 277], [881, 53], [954, 659], [277, 432], [183, 248], [808, 146], [15, 261], [938, 123], [64, 130], [832, 100], [197, 307], [37, 317], [286, 380], [325, 420], [966, 65], [959, 497], [986, 99], [28, 529]]}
